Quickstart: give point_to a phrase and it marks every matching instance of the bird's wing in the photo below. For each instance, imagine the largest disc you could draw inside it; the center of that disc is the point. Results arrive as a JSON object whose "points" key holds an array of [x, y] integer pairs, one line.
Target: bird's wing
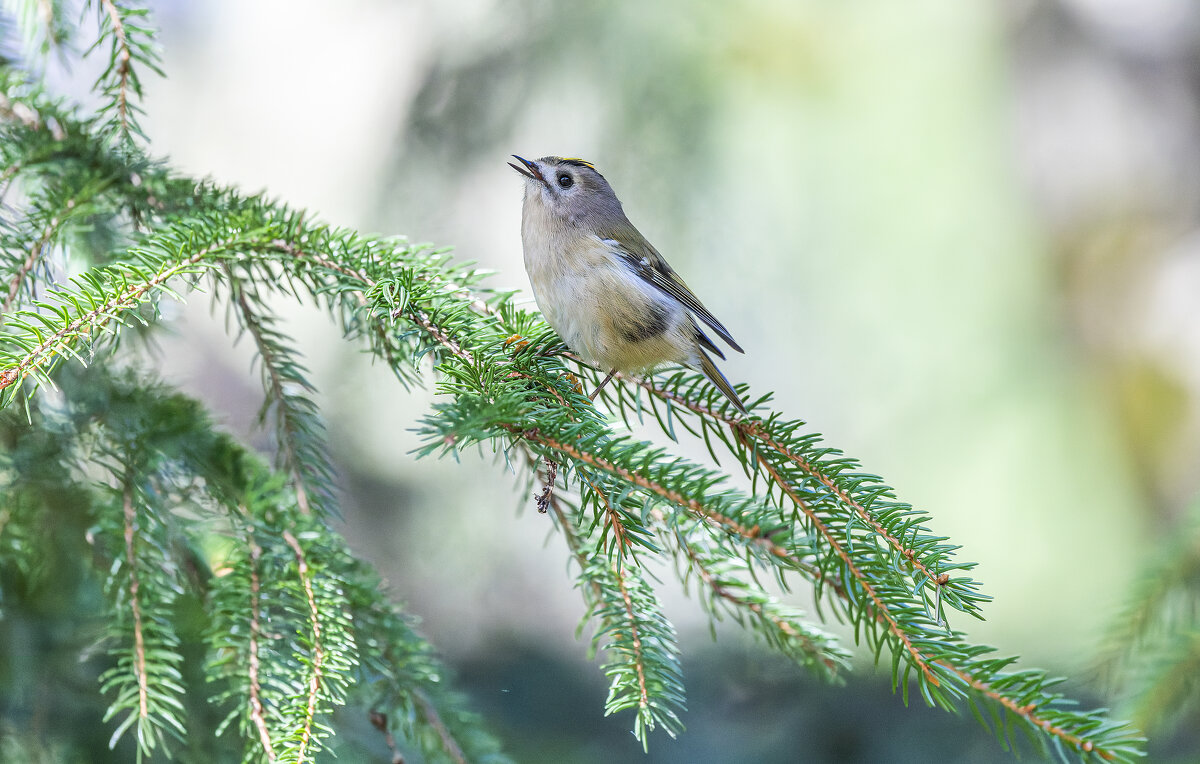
{"points": [[644, 260]]}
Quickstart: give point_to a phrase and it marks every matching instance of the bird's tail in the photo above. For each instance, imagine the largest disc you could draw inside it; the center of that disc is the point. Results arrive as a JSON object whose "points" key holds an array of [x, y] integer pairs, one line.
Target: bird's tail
{"points": [[717, 378]]}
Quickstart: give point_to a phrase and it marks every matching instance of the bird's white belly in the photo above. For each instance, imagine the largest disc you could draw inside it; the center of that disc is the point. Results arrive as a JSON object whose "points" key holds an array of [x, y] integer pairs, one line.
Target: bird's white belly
{"points": [[609, 316]]}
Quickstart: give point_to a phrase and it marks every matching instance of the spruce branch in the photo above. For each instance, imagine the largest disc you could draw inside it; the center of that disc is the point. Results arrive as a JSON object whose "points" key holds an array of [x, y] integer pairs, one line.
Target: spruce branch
{"points": [[254, 681], [644, 666], [135, 606], [299, 433], [639, 643], [122, 57], [130, 45], [872, 600], [66, 317], [146, 679], [18, 278], [317, 665], [727, 581]]}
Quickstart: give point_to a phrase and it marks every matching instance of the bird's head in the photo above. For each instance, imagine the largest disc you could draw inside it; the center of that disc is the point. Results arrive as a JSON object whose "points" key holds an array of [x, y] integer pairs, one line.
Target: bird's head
{"points": [[570, 189]]}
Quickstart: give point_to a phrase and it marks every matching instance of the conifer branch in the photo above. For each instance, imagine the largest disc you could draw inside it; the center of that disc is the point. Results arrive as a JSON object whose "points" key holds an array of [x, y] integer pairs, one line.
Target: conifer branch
{"points": [[878, 606], [637, 659], [646, 656], [123, 56], [743, 428], [135, 604], [318, 658], [613, 520], [786, 631], [257, 715], [146, 677], [716, 519], [643, 662], [131, 43], [299, 434], [35, 255], [105, 308]]}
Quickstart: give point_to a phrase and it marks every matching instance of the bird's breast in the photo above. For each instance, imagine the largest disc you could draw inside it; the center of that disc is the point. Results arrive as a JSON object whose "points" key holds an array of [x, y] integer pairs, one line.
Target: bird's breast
{"points": [[603, 310]]}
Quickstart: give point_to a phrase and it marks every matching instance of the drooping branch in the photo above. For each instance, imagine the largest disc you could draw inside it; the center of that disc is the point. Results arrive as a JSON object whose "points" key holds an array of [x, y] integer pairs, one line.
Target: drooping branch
{"points": [[254, 681], [298, 431], [123, 58], [135, 602], [316, 670], [35, 256]]}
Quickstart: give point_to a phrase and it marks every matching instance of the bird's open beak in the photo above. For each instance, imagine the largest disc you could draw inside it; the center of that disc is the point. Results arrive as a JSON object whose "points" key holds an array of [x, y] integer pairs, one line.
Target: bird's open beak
{"points": [[530, 170]]}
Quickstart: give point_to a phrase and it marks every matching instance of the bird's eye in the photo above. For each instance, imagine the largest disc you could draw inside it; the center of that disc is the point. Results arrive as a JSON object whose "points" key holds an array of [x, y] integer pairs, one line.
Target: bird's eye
{"points": [[565, 180]]}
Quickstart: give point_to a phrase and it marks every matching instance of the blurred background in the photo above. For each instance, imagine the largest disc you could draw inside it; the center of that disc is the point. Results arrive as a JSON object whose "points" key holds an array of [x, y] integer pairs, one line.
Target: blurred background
{"points": [[958, 238]]}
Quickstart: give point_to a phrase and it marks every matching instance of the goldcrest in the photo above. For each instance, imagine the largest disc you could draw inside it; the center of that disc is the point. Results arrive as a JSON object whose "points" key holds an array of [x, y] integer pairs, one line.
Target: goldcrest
{"points": [[607, 291]]}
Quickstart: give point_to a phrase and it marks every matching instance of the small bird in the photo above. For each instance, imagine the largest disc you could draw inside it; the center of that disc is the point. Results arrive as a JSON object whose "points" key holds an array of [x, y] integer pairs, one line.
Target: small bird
{"points": [[606, 290]]}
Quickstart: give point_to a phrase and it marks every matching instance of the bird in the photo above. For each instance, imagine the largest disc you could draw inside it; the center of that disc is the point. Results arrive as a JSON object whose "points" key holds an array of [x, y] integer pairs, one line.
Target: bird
{"points": [[599, 283]]}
